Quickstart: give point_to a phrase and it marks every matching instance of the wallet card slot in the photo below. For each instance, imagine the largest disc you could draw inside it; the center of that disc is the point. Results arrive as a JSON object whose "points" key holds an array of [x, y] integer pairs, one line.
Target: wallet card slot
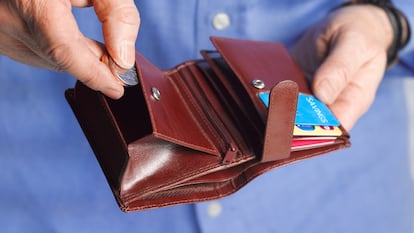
{"points": [[193, 104], [219, 116], [225, 80], [230, 88], [242, 125], [228, 82], [195, 91]]}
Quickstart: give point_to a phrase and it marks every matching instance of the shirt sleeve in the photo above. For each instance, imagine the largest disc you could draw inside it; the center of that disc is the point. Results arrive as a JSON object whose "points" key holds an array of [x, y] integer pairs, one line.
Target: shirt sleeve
{"points": [[407, 53]]}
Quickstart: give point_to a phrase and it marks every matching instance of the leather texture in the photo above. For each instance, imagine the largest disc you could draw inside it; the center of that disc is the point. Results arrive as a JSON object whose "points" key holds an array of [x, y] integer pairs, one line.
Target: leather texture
{"points": [[197, 131]]}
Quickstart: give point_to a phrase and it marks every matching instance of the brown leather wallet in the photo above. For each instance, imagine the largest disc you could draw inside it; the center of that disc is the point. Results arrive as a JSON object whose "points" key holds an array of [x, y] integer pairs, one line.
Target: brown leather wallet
{"points": [[197, 131]]}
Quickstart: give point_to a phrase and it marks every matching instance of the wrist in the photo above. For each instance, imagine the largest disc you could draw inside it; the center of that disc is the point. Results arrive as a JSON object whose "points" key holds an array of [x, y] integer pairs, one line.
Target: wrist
{"points": [[400, 26]]}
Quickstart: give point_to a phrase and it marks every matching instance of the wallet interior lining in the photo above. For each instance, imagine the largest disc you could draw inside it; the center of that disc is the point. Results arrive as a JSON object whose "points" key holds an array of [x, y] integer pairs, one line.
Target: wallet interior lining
{"points": [[131, 113]]}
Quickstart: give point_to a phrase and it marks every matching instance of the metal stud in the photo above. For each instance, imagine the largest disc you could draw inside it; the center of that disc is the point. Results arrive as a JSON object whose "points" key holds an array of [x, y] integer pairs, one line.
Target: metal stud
{"points": [[257, 83], [156, 93]]}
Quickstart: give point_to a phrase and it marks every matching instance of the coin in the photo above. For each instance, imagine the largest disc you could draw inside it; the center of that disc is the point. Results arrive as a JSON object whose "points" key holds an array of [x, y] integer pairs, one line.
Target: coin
{"points": [[127, 77]]}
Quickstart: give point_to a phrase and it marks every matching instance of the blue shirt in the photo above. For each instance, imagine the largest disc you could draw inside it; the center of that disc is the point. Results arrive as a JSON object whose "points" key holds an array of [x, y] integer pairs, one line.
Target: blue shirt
{"points": [[51, 182]]}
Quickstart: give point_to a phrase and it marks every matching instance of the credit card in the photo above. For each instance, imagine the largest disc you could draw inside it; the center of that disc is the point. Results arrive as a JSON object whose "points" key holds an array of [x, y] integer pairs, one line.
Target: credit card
{"points": [[310, 111], [307, 144], [316, 130]]}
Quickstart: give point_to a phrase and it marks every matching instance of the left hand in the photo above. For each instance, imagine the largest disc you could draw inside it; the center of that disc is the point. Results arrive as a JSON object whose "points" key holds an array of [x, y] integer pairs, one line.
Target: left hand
{"points": [[45, 34], [345, 56]]}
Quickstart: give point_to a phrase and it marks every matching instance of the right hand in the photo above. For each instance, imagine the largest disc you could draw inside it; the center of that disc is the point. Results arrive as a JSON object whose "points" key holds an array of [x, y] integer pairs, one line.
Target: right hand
{"points": [[45, 34], [345, 55]]}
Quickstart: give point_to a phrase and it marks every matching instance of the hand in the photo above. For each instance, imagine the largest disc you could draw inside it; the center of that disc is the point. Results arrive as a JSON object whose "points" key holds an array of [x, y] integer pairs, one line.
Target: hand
{"points": [[45, 34], [345, 57]]}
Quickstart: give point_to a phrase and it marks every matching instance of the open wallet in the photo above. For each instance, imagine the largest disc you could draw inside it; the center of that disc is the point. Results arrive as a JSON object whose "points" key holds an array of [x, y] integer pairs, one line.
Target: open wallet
{"points": [[201, 130]]}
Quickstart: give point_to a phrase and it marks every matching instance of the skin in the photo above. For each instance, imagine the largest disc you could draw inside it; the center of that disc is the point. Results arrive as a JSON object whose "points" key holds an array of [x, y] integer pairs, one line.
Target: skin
{"points": [[344, 55], [45, 34]]}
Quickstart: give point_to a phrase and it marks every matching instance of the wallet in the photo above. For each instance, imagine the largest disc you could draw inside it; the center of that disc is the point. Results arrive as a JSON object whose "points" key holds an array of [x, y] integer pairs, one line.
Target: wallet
{"points": [[197, 131]]}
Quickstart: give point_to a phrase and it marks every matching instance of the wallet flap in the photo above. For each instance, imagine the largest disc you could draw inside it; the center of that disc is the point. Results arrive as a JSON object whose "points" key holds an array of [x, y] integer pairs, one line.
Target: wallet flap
{"points": [[171, 118], [266, 62], [280, 121]]}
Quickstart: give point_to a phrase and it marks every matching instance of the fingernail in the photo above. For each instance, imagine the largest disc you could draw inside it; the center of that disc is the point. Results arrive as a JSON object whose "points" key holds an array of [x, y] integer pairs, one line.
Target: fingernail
{"points": [[127, 54]]}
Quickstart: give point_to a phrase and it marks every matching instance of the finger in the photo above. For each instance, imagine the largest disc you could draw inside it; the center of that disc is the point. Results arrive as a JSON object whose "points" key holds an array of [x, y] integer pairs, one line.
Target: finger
{"points": [[96, 47], [310, 50], [81, 3], [358, 96], [120, 23], [90, 70], [63, 44], [350, 106], [348, 53]]}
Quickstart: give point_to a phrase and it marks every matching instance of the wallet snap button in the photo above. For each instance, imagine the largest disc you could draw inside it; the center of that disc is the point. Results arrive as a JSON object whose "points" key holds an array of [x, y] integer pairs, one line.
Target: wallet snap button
{"points": [[259, 84], [156, 93]]}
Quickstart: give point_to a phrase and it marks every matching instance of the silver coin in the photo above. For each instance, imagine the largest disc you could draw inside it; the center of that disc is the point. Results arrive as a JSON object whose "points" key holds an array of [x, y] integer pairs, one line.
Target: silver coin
{"points": [[129, 77]]}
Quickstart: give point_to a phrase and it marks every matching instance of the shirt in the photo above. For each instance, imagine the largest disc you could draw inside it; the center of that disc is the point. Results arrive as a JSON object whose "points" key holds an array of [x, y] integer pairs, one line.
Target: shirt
{"points": [[51, 182]]}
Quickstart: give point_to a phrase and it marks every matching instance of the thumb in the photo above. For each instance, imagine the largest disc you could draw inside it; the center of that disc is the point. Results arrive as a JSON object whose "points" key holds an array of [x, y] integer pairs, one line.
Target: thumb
{"points": [[337, 70], [120, 23]]}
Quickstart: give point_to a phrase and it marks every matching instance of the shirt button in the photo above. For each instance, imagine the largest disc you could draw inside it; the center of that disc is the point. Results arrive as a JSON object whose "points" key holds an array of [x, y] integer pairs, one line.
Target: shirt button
{"points": [[221, 21], [214, 209]]}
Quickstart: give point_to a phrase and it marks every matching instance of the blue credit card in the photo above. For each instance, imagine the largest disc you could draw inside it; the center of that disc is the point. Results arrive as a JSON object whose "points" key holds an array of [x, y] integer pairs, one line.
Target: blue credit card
{"points": [[310, 111]]}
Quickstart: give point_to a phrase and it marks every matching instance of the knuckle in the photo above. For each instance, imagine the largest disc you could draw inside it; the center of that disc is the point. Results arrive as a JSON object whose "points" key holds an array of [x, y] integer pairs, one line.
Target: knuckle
{"points": [[358, 40], [128, 15], [61, 56], [125, 16]]}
